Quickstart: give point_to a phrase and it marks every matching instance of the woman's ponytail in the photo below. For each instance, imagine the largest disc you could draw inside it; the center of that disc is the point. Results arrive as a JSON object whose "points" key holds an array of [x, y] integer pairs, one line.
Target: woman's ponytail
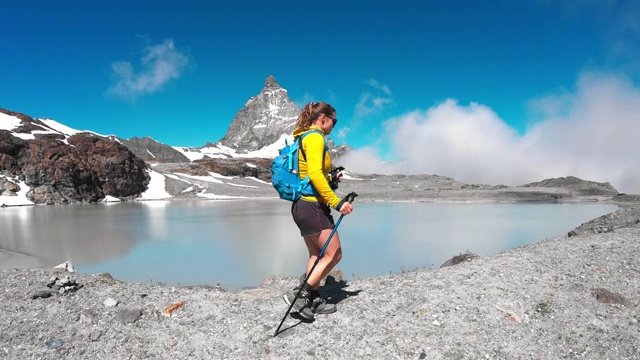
{"points": [[311, 112]]}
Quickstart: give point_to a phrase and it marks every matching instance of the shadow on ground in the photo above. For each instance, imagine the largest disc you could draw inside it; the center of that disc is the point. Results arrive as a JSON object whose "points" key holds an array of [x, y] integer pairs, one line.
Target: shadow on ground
{"points": [[334, 291]]}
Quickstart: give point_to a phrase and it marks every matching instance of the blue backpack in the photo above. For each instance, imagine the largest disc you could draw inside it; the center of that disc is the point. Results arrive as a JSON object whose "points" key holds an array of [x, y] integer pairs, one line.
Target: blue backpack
{"points": [[285, 177]]}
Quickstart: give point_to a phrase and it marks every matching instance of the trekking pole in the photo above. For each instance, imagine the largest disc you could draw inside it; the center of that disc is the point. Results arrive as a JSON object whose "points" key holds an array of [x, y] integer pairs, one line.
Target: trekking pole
{"points": [[350, 199]]}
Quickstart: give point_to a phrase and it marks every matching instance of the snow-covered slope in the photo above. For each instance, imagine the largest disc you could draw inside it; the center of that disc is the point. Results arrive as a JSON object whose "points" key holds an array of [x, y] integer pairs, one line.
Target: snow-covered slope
{"points": [[219, 151]]}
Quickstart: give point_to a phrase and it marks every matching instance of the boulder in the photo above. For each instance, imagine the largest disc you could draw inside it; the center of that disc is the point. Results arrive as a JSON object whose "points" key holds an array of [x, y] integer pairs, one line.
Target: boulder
{"points": [[58, 169]]}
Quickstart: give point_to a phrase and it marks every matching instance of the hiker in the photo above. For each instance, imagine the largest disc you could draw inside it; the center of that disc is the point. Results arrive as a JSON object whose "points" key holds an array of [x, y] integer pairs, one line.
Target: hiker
{"points": [[312, 213]]}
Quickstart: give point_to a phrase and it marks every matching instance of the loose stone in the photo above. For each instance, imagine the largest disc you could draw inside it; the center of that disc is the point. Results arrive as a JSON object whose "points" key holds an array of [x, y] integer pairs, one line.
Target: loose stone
{"points": [[53, 344], [110, 303]]}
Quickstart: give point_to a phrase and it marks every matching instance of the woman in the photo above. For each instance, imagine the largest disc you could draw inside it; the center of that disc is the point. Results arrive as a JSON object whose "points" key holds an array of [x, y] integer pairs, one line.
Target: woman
{"points": [[312, 213]]}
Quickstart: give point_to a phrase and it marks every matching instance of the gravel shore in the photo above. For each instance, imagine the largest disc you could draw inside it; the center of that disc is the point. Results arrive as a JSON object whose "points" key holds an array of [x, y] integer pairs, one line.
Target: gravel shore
{"points": [[570, 297]]}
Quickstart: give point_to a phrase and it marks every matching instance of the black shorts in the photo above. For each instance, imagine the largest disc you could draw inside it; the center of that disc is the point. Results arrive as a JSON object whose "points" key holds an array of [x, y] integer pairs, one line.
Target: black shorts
{"points": [[311, 217]]}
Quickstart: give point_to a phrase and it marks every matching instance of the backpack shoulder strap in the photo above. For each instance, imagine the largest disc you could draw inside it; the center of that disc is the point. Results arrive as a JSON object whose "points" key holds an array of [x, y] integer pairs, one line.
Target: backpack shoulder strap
{"points": [[324, 153]]}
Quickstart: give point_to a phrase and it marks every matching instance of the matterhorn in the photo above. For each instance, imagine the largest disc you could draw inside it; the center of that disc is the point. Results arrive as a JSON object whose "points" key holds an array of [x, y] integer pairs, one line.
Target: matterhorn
{"points": [[263, 119]]}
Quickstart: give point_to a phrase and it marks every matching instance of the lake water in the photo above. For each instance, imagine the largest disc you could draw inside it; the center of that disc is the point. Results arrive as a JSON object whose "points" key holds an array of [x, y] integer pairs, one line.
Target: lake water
{"points": [[239, 243]]}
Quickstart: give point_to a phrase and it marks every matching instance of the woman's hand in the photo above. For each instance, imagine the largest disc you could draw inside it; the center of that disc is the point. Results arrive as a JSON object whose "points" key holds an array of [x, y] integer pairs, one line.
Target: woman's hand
{"points": [[346, 208]]}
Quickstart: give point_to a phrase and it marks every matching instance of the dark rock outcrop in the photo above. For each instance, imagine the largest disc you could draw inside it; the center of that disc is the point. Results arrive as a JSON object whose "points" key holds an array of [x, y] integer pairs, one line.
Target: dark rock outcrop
{"points": [[10, 146], [58, 169], [467, 256]]}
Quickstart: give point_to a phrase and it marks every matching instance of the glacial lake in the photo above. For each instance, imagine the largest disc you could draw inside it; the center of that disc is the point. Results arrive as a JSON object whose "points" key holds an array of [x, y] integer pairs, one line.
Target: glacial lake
{"points": [[238, 243]]}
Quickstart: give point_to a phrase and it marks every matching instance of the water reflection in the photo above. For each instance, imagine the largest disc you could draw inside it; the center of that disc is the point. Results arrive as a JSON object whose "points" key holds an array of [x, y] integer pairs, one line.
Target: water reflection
{"points": [[83, 233], [238, 243]]}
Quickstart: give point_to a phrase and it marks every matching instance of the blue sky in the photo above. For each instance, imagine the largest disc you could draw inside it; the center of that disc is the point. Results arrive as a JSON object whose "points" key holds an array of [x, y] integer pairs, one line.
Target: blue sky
{"points": [[475, 90]]}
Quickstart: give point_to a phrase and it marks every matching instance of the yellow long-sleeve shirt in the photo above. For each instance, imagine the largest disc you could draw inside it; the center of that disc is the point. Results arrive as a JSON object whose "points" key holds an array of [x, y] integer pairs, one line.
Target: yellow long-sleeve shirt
{"points": [[311, 164]]}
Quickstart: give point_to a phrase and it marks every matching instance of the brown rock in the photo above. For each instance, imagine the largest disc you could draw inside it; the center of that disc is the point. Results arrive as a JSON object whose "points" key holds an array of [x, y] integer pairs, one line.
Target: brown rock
{"points": [[608, 297], [9, 187], [459, 259], [85, 168]]}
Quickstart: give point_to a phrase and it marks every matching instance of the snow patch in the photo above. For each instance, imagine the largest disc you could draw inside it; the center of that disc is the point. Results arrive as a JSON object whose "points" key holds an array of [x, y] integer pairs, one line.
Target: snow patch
{"points": [[43, 132], [23, 136], [156, 189], [8, 122], [203, 178], [220, 176], [220, 197], [110, 198], [20, 199], [191, 154], [176, 177], [219, 151], [257, 180], [243, 186], [63, 129]]}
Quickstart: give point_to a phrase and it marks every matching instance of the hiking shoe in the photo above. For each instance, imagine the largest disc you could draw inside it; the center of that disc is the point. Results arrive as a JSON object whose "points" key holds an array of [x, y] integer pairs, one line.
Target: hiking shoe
{"points": [[320, 305], [302, 304]]}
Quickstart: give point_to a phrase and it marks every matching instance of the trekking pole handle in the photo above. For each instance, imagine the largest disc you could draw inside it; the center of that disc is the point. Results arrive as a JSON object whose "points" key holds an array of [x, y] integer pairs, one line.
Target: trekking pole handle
{"points": [[351, 197]]}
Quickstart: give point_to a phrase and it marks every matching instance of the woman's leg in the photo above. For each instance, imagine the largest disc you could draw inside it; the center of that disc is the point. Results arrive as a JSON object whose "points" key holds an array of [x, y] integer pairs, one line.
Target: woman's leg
{"points": [[332, 255]]}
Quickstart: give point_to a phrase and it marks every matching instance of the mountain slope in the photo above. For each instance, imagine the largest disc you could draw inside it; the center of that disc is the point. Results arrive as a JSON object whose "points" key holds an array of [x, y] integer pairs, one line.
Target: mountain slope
{"points": [[151, 150]]}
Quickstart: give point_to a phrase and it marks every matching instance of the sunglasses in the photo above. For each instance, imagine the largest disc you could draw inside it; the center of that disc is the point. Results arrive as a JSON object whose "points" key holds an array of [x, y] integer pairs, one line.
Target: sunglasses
{"points": [[335, 121]]}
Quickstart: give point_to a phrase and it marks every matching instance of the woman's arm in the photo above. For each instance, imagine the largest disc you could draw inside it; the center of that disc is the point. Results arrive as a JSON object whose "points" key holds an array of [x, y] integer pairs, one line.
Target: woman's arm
{"points": [[314, 147]]}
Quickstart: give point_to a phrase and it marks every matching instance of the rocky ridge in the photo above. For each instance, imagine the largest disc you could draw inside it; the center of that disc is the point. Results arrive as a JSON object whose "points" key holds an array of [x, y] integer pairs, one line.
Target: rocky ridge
{"points": [[575, 184]]}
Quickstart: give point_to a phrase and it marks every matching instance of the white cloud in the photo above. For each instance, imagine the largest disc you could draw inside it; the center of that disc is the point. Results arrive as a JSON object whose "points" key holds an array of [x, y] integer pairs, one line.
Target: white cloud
{"points": [[591, 133], [159, 65], [376, 85], [373, 102]]}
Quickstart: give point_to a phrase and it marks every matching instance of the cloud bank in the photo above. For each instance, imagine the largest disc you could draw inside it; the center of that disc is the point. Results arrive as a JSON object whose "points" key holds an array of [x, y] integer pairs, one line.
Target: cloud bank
{"points": [[159, 65], [592, 133]]}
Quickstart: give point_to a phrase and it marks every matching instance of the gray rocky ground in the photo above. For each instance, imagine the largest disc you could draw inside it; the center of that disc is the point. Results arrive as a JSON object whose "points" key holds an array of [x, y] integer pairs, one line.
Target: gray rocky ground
{"points": [[570, 297]]}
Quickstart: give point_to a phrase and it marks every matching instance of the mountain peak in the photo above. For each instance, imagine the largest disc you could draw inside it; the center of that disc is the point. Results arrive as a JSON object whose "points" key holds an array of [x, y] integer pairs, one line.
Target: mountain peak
{"points": [[271, 83], [263, 120]]}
